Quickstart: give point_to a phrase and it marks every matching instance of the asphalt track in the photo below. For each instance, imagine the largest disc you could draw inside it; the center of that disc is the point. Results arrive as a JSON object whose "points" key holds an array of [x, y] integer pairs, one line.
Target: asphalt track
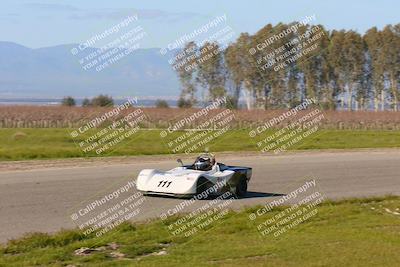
{"points": [[43, 199]]}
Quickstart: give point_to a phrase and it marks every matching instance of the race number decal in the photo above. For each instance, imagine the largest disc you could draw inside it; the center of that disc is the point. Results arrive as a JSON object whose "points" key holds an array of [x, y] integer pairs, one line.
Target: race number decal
{"points": [[164, 183]]}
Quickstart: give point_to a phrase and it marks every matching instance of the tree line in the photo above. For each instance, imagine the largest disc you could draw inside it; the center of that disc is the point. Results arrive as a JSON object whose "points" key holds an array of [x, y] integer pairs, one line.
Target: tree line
{"points": [[98, 101], [103, 101], [345, 70]]}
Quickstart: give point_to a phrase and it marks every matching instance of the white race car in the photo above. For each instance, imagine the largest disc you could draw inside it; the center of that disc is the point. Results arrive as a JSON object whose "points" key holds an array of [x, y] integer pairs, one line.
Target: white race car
{"points": [[204, 175]]}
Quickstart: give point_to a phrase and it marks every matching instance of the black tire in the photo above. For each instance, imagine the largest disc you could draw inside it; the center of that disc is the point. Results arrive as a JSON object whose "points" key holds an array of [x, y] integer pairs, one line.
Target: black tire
{"points": [[202, 185], [241, 188]]}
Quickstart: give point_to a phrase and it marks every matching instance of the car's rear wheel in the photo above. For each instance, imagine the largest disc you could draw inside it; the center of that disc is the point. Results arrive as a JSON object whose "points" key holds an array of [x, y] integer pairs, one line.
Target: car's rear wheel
{"points": [[241, 188]]}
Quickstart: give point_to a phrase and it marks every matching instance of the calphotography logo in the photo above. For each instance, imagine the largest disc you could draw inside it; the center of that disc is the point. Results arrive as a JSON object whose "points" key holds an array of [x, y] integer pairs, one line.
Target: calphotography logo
{"points": [[106, 212], [201, 46], [104, 133], [201, 218], [301, 205], [290, 128], [196, 131], [114, 44], [212, 133]]}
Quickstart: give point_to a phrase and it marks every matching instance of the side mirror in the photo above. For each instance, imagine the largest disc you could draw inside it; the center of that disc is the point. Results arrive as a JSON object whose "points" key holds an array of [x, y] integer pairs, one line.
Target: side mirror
{"points": [[180, 161]]}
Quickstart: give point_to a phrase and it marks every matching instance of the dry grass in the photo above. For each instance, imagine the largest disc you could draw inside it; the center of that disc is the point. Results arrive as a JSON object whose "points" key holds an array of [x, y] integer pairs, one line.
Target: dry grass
{"points": [[72, 117], [355, 232], [19, 135]]}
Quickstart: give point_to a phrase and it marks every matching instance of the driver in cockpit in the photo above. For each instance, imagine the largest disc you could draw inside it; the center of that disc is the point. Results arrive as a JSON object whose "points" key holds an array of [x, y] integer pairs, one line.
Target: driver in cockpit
{"points": [[204, 162]]}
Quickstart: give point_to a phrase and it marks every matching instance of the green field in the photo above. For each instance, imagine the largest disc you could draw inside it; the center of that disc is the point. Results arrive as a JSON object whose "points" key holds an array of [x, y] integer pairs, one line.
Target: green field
{"points": [[22, 144], [358, 232]]}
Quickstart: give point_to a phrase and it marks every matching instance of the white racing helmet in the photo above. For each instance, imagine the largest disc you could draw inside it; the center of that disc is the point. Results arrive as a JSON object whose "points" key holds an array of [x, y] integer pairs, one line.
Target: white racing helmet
{"points": [[204, 162]]}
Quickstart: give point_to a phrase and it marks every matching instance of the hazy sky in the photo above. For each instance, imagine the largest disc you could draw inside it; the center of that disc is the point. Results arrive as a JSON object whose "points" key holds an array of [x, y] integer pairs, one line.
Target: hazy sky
{"points": [[39, 23]]}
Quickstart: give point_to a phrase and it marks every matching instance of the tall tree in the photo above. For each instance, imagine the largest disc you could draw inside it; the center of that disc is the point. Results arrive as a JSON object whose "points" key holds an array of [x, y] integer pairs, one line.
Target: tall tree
{"points": [[259, 72], [335, 58], [273, 70], [347, 59], [233, 61], [248, 68], [314, 64], [186, 66], [353, 66], [211, 70], [374, 44], [391, 61]]}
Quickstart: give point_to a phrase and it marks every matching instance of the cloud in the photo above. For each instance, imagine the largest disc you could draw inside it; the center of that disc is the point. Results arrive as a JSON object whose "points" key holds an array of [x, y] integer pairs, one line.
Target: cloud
{"points": [[120, 13], [102, 14], [111, 13], [52, 7], [10, 17]]}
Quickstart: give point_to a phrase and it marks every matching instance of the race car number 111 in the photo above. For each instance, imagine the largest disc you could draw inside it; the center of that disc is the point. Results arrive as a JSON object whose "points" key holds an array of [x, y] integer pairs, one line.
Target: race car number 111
{"points": [[164, 183]]}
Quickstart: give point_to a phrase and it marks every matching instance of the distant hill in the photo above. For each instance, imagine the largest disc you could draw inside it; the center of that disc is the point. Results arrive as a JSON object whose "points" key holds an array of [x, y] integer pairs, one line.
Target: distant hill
{"points": [[55, 72]]}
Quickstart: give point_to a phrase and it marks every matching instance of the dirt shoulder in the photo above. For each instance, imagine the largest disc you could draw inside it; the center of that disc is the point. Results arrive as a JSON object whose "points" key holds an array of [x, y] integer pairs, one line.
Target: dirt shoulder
{"points": [[104, 161]]}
